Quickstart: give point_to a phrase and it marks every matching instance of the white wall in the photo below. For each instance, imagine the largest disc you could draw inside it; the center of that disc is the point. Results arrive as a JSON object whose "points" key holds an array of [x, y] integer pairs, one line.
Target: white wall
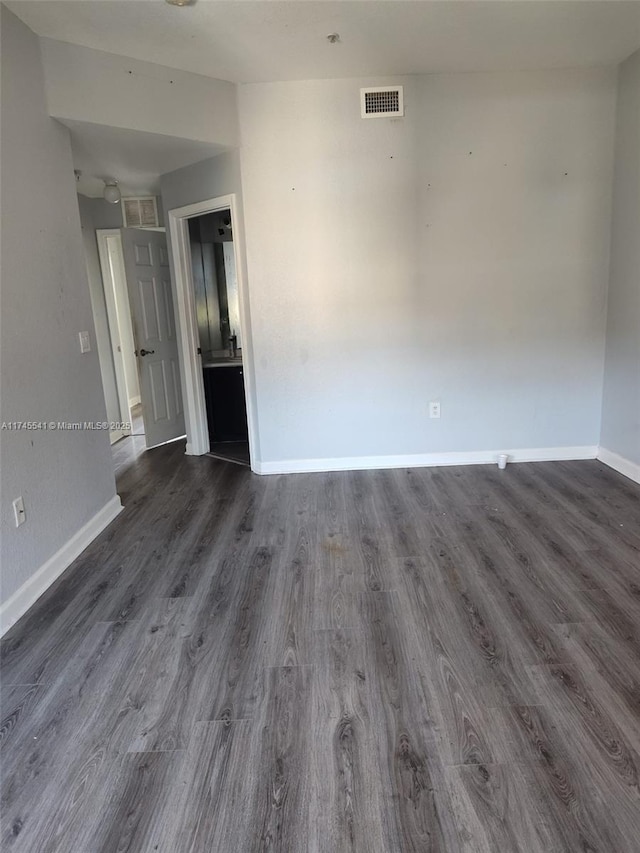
{"points": [[621, 400], [459, 254], [64, 477], [212, 178], [93, 86]]}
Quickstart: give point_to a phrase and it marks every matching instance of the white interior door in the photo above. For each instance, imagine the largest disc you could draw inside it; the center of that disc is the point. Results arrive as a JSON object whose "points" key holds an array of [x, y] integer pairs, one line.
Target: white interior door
{"points": [[147, 269], [121, 295], [116, 298]]}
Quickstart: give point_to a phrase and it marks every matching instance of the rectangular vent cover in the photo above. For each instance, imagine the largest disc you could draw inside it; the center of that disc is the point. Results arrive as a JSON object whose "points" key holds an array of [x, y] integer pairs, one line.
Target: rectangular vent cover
{"points": [[381, 101], [140, 212]]}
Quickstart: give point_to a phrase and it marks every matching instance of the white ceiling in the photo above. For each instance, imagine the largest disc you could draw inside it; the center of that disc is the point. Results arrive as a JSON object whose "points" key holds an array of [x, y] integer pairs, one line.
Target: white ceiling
{"points": [[136, 159], [266, 40]]}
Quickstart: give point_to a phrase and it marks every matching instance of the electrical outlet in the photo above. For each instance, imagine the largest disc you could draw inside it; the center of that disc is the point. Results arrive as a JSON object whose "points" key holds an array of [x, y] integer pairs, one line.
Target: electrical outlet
{"points": [[434, 409], [18, 511], [85, 343]]}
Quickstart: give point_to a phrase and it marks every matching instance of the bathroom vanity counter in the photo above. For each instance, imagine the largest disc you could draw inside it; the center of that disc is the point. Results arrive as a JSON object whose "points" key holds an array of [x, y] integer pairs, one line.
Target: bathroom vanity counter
{"points": [[223, 362], [221, 358]]}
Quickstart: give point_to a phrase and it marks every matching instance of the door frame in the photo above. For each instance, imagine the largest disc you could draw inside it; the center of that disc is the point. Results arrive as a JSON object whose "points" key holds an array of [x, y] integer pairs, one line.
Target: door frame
{"points": [[193, 380], [113, 317]]}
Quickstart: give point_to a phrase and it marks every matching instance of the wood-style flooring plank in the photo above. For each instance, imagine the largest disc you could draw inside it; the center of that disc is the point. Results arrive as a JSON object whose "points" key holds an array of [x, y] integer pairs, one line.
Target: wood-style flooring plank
{"points": [[589, 645], [348, 790], [524, 808], [412, 814], [370, 539], [226, 669], [208, 804], [581, 715], [16, 706], [112, 806], [280, 803]]}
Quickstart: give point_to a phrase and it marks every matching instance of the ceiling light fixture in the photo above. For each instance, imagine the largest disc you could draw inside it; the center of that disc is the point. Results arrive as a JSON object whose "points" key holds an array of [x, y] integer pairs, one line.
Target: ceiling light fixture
{"points": [[112, 192], [332, 38], [179, 2]]}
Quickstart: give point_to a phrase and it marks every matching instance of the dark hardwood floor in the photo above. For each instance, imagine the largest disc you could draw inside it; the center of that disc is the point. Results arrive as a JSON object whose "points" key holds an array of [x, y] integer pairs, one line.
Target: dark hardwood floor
{"points": [[411, 660]]}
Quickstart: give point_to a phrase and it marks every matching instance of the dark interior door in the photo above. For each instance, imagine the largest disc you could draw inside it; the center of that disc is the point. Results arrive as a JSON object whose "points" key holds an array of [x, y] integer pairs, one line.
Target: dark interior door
{"points": [[226, 407]]}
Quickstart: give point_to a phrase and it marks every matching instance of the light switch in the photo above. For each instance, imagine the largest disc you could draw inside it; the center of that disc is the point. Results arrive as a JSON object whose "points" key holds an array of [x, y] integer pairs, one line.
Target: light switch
{"points": [[18, 511], [85, 343]]}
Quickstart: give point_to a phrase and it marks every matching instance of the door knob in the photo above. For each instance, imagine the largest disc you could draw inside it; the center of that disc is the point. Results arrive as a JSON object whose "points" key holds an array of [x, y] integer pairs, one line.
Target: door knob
{"points": [[144, 352]]}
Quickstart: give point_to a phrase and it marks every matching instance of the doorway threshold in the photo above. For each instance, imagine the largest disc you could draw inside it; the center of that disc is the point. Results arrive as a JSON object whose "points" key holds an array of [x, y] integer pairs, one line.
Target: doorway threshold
{"points": [[231, 451]]}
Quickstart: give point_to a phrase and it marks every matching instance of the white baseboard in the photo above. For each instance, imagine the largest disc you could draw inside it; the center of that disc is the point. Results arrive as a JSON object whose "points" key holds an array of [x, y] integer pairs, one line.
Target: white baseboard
{"points": [[134, 401], [619, 463], [424, 460], [41, 580]]}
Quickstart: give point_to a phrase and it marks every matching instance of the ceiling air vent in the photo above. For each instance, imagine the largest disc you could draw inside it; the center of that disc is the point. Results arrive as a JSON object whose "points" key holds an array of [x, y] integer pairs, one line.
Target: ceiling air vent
{"points": [[140, 212], [381, 101]]}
